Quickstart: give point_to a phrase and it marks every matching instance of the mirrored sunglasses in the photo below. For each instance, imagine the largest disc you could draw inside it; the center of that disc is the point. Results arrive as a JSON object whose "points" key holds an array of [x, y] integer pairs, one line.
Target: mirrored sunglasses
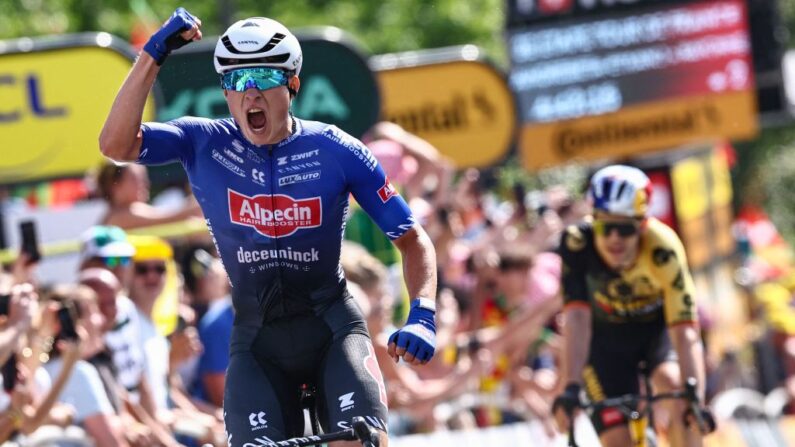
{"points": [[116, 261], [261, 78]]}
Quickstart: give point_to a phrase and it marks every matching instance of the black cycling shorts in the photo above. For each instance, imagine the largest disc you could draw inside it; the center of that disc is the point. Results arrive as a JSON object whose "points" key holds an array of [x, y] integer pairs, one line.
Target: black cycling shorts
{"points": [[268, 365], [613, 363]]}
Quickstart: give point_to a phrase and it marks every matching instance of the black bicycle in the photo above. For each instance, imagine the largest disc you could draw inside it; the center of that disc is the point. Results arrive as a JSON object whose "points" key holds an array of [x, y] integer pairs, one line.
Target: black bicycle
{"points": [[641, 418], [360, 430]]}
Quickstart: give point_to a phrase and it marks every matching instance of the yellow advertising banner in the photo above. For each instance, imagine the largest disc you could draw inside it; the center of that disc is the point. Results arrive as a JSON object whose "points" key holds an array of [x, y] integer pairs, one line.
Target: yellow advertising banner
{"points": [[52, 107], [691, 191], [638, 129], [464, 108]]}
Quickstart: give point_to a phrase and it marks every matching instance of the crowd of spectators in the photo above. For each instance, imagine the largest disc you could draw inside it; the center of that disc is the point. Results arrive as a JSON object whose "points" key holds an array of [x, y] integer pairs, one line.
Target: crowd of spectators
{"points": [[134, 351]]}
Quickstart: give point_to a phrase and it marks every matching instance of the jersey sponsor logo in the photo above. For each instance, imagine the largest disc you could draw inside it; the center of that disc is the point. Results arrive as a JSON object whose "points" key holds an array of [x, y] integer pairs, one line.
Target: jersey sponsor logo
{"points": [[257, 421], [387, 191], [299, 178], [346, 401], [372, 421], [225, 162], [253, 156], [356, 147], [233, 156], [258, 176], [251, 256], [281, 161], [238, 146], [265, 441], [304, 155], [274, 215], [299, 167]]}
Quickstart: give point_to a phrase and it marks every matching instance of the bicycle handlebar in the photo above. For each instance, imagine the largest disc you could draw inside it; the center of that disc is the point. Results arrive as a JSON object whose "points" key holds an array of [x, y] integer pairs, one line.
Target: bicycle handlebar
{"points": [[361, 431], [627, 404]]}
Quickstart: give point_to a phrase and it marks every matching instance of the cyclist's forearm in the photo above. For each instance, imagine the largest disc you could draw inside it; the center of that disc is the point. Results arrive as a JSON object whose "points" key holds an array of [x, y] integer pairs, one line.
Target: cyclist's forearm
{"points": [[687, 343], [120, 136], [576, 342], [419, 263]]}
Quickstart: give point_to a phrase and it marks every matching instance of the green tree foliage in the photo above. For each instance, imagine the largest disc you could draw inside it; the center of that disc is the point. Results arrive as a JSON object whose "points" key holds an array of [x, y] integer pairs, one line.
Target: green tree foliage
{"points": [[381, 26]]}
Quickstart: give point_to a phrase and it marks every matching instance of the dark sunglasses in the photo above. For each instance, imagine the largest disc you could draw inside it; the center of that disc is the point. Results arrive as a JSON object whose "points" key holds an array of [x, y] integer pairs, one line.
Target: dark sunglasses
{"points": [[143, 269], [624, 229], [116, 261]]}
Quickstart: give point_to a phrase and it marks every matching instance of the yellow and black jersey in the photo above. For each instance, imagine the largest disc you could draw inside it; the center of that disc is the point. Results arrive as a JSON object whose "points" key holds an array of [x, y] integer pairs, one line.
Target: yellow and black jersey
{"points": [[657, 286]]}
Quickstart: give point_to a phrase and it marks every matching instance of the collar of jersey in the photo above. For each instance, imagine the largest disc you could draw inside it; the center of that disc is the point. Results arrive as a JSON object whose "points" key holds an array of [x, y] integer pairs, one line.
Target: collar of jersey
{"points": [[294, 135]]}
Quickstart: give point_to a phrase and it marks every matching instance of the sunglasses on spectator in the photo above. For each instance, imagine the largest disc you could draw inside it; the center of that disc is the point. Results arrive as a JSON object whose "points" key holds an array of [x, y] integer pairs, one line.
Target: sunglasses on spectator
{"points": [[261, 78], [115, 261], [624, 229], [143, 269]]}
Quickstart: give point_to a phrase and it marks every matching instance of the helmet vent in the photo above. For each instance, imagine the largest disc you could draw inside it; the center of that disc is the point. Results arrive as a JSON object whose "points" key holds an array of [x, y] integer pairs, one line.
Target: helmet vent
{"points": [[278, 37], [276, 59], [249, 24]]}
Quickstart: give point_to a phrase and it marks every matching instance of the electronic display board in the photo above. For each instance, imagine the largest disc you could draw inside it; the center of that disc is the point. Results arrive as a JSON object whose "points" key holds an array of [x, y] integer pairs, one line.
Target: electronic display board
{"points": [[622, 83]]}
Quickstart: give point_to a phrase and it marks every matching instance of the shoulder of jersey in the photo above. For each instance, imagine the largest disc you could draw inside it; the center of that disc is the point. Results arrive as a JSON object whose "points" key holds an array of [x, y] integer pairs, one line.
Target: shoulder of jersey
{"points": [[662, 242], [206, 123], [577, 237]]}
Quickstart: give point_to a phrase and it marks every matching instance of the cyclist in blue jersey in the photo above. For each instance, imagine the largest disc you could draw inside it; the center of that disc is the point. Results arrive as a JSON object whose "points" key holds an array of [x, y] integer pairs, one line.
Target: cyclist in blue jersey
{"points": [[274, 190]]}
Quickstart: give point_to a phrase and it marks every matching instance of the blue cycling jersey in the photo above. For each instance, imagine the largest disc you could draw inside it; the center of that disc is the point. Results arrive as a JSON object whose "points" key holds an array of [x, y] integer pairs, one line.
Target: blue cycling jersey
{"points": [[277, 212]]}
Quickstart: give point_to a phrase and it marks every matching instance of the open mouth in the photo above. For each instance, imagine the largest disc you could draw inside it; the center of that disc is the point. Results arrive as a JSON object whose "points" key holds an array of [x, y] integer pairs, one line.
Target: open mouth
{"points": [[256, 119]]}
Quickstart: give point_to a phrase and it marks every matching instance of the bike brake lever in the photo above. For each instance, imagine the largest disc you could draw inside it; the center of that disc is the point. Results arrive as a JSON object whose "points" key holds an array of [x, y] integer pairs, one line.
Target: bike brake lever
{"points": [[365, 433]]}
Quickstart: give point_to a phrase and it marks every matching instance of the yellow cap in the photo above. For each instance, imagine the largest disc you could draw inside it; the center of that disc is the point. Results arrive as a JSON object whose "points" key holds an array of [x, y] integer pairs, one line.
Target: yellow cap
{"points": [[150, 247]]}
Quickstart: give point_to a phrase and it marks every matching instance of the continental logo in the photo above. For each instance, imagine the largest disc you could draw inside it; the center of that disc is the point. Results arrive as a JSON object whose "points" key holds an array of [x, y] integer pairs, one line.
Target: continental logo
{"points": [[635, 129], [573, 141]]}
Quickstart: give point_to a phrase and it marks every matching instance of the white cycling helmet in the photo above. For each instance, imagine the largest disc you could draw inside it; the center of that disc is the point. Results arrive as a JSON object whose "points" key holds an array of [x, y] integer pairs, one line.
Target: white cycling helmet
{"points": [[257, 42], [621, 190]]}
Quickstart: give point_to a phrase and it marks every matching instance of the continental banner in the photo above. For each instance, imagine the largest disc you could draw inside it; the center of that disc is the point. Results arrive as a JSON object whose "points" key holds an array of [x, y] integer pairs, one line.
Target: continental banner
{"points": [[641, 128]]}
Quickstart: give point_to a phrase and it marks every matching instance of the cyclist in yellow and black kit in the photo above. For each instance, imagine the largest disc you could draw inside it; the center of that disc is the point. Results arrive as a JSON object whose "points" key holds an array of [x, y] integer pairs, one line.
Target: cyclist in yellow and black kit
{"points": [[629, 298]]}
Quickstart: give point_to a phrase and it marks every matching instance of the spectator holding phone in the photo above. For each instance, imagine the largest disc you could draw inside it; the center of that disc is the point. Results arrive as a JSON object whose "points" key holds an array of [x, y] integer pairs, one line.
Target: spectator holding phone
{"points": [[79, 322]]}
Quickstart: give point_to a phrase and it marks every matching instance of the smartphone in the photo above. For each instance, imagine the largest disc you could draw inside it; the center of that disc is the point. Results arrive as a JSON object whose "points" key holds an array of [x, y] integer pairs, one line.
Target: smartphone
{"points": [[10, 374], [5, 301], [30, 240], [66, 319]]}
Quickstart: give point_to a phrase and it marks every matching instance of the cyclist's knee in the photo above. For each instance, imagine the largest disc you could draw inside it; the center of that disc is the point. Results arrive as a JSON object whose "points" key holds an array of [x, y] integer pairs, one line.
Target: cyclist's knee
{"points": [[666, 378], [616, 436]]}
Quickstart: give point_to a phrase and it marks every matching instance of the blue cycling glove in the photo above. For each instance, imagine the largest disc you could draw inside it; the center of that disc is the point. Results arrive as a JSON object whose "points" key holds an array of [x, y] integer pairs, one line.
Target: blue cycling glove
{"points": [[418, 336], [167, 38]]}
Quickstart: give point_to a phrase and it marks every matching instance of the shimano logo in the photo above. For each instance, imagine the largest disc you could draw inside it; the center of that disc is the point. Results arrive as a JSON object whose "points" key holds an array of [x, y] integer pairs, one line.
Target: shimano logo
{"points": [[251, 256]]}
